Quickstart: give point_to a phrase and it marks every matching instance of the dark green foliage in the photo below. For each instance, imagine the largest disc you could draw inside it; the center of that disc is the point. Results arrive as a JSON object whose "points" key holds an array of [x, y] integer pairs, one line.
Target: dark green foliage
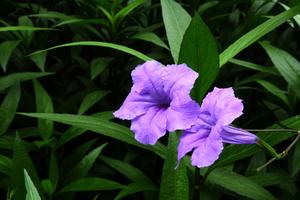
{"points": [[65, 67]]}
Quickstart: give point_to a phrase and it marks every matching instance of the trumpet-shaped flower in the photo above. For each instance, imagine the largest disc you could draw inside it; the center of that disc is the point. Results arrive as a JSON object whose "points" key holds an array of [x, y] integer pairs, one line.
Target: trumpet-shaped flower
{"points": [[159, 101], [219, 108]]}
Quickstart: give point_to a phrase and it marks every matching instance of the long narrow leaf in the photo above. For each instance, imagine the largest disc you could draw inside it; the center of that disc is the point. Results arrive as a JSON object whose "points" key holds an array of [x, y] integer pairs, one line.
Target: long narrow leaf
{"points": [[99, 44]]}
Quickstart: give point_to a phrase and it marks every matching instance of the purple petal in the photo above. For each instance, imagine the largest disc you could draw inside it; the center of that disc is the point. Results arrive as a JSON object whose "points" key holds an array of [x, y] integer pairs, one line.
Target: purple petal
{"points": [[134, 106], [208, 151], [222, 105], [190, 140], [148, 128], [182, 113], [179, 78], [234, 135], [148, 79]]}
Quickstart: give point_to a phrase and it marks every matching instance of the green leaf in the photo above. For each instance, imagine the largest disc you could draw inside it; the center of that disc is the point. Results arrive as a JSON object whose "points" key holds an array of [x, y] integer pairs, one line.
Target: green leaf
{"points": [[295, 163], [236, 152], [21, 161], [239, 184], [90, 99], [9, 107], [176, 21], [126, 11], [253, 66], [43, 105], [286, 64], [6, 49], [32, 193], [269, 179], [151, 37], [53, 172], [81, 169], [74, 132], [5, 165], [256, 33], [98, 65], [99, 44], [134, 188], [199, 51], [91, 184], [100, 126], [174, 183], [75, 156], [273, 89], [24, 28], [11, 79], [128, 170], [39, 60]]}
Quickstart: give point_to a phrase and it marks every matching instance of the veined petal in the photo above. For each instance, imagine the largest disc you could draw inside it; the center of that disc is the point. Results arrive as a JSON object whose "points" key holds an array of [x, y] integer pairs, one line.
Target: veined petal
{"points": [[208, 151], [182, 113], [234, 135], [179, 78], [148, 128], [222, 105], [190, 140], [134, 106], [148, 80]]}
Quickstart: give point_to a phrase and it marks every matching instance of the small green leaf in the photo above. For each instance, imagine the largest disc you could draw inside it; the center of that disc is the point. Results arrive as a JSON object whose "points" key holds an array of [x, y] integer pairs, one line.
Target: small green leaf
{"points": [[199, 51], [53, 171], [151, 37], [21, 161], [11, 79], [239, 184], [5, 165], [256, 33], [295, 163], [39, 60], [24, 28], [98, 65], [43, 105], [74, 132], [9, 107], [6, 49], [81, 169], [134, 188], [128, 170], [176, 21], [286, 64], [32, 193], [273, 89], [253, 66], [99, 44], [90, 99], [269, 179], [174, 183], [91, 184]]}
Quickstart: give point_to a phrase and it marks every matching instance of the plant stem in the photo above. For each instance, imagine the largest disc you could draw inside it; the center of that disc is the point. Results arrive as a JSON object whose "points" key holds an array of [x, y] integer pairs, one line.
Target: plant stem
{"points": [[197, 184]]}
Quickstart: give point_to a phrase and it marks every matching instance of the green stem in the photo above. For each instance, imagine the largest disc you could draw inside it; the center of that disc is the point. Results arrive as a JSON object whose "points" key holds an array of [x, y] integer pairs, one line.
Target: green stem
{"points": [[197, 184]]}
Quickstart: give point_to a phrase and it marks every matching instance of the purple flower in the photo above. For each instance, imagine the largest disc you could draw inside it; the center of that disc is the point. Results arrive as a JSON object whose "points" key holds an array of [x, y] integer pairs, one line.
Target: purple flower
{"points": [[219, 108], [159, 101]]}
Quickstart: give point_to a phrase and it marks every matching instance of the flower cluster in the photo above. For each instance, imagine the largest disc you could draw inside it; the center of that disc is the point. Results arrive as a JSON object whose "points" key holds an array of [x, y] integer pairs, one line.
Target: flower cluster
{"points": [[159, 101]]}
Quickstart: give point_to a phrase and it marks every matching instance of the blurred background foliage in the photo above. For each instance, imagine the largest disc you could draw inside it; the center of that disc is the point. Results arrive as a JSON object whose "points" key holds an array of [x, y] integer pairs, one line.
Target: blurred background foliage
{"points": [[83, 153]]}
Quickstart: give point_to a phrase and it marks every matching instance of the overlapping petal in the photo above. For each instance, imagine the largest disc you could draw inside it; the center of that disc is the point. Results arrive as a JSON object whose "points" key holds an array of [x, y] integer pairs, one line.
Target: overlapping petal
{"points": [[222, 105], [208, 150], [148, 128], [179, 78], [182, 113]]}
